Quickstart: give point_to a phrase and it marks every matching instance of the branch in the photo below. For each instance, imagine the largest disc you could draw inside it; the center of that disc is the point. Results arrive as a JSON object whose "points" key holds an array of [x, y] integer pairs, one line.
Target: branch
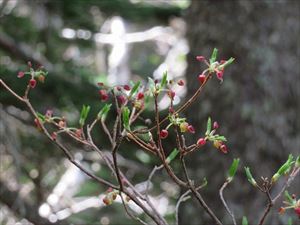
{"points": [[224, 202]]}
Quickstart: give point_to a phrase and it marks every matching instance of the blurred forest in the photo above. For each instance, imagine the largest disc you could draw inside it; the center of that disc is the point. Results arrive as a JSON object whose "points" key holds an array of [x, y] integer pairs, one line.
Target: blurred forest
{"points": [[81, 43]]}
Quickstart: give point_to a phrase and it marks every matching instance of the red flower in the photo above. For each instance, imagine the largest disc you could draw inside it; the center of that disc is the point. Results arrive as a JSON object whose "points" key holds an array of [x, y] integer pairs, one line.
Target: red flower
{"points": [[103, 95], [224, 148], [163, 134], [201, 78], [201, 142], [32, 83], [21, 74], [220, 75]]}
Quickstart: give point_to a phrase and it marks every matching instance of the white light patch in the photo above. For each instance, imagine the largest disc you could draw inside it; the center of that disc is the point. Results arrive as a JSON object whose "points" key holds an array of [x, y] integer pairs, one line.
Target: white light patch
{"points": [[68, 33]]}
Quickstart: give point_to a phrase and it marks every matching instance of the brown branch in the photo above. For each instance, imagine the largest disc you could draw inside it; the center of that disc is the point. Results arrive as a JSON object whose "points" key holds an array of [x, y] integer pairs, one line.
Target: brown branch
{"points": [[224, 202]]}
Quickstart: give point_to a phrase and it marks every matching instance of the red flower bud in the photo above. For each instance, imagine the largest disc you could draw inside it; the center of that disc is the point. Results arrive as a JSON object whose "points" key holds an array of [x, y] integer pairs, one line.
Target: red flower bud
{"points": [[281, 210], [297, 211], [21, 74], [216, 125], [191, 129], [140, 96], [121, 99], [220, 75], [222, 61], [200, 58], [201, 78], [180, 82], [201, 142], [223, 148], [171, 110], [49, 113], [163, 134], [171, 94], [118, 88], [103, 95], [126, 87], [32, 83]]}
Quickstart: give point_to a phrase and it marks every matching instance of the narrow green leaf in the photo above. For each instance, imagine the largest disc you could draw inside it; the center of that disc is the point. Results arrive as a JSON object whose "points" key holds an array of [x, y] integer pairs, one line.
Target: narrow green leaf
{"points": [[208, 126], [233, 168], [135, 88], [244, 221], [250, 177], [125, 115], [219, 138], [213, 56], [285, 168], [151, 84], [172, 156], [297, 163], [227, 63], [103, 112], [290, 221], [41, 117], [164, 80], [83, 115], [288, 197]]}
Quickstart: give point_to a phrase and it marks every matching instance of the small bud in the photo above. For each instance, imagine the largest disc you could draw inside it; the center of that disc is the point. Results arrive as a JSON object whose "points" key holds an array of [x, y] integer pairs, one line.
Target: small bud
{"points": [[217, 144], [201, 78], [103, 95], [183, 127], [121, 99], [41, 78], [21, 74], [180, 82], [49, 113], [54, 136], [201, 142], [216, 125], [297, 211], [140, 96], [32, 83], [61, 123], [118, 88], [163, 134], [107, 201], [191, 129], [29, 64], [281, 210], [224, 148], [78, 133], [171, 94], [38, 124], [100, 84], [200, 58], [293, 196], [220, 75], [171, 110], [126, 87]]}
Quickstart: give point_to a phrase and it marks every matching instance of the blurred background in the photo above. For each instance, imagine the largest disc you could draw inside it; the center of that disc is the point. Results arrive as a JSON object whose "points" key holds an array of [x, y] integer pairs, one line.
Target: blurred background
{"points": [[81, 43]]}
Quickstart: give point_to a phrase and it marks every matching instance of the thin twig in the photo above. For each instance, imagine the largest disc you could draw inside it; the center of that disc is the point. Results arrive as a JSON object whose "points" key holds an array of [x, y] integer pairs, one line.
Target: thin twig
{"points": [[224, 202]]}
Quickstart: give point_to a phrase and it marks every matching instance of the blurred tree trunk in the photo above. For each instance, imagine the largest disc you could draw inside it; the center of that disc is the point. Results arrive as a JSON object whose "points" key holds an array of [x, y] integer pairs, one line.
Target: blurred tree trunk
{"points": [[257, 106]]}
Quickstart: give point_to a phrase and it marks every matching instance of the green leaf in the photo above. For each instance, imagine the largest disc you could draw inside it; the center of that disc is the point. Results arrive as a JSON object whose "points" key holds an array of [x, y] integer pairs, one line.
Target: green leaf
{"points": [[172, 155], [244, 221], [290, 221], [233, 168], [213, 56], [227, 63], [219, 138], [164, 80], [288, 197], [83, 115], [284, 169], [134, 89], [151, 84], [103, 112], [208, 126], [41, 117], [297, 163], [250, 177], [125, 115]]}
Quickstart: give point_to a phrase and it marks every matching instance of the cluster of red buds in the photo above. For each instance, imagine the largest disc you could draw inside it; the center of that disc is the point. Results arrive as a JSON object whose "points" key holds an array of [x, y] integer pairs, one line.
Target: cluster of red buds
{"points": [[216, 139], [38, 74], [290, 203], [214, 66]]}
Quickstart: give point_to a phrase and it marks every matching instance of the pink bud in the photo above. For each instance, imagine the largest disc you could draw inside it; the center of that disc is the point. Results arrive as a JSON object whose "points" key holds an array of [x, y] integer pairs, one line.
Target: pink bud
{"points": [[224, 149], [121, 99], [297, 211], [171, 94], [21, 74], [118, 88], [140, 96], [163, 134], [54, 136], [29, 64], [200, 58], [171, 110], [191, 129], [180, 82], [103, 95], [49, 113], [216, 125], [220, 75], [201, 78], [32, 83], [201, 142], [126, 87]]}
